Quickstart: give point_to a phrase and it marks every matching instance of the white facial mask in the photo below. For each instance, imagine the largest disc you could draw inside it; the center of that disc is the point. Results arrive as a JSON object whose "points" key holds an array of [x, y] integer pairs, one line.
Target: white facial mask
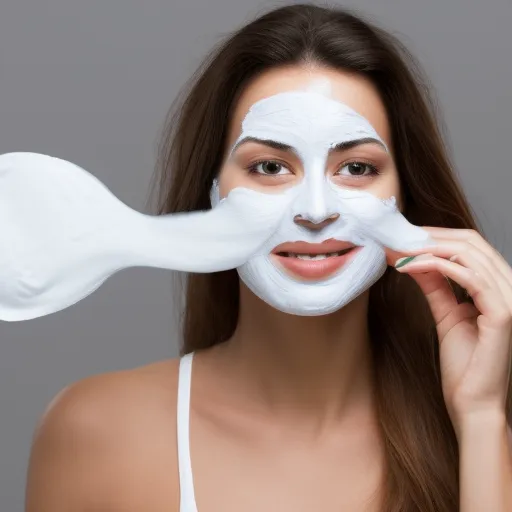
{"points": [[63, 233], [312, 123]]}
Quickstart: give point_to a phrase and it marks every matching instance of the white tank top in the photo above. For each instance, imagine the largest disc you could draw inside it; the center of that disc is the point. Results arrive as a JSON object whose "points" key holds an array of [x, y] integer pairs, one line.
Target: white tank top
{"points": [[187, 495]]}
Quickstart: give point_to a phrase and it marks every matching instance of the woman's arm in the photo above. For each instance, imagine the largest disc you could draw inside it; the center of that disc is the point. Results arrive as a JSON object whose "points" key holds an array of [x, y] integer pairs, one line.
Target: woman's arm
{"points": [[475, 350], [485, 443]]}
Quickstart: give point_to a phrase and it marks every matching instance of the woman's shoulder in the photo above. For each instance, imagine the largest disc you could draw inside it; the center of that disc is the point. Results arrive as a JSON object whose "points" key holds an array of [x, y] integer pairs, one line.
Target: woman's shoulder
{"points": [[104, 434], [100, 401]]}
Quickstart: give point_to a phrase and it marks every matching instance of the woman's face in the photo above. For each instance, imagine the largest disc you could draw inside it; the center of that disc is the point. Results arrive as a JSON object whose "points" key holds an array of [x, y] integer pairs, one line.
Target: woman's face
{"points": [[323, 134], [353, 90]]}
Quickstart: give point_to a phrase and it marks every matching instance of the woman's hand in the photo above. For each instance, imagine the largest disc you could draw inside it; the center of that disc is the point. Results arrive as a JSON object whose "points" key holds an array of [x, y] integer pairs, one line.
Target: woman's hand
{"points": [[475, 341]]}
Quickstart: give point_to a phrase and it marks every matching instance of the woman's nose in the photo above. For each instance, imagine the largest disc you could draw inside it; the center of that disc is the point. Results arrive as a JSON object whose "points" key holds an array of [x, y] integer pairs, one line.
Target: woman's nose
{"points": [[314, 225]]}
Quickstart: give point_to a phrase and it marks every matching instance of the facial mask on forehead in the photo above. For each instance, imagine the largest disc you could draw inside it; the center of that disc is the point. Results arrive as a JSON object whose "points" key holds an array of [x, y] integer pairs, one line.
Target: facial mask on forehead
{"points": [[312, 124]]}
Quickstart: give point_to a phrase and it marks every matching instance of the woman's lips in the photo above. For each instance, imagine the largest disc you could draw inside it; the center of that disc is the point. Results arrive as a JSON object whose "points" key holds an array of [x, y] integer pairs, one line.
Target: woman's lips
{"points": [[285, 255]]}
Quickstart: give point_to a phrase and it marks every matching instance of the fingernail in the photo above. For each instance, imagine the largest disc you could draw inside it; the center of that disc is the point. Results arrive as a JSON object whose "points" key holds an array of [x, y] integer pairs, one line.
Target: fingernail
{"points": [[403, 261]]}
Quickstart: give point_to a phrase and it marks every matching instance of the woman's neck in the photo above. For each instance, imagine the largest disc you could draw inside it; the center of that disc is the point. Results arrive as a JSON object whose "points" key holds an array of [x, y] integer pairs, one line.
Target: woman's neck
{"points": [[316, 370]]}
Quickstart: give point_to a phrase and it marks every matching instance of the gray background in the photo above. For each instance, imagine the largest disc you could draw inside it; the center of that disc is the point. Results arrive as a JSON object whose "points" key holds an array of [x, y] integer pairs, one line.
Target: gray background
{"points": [[91, 82]]}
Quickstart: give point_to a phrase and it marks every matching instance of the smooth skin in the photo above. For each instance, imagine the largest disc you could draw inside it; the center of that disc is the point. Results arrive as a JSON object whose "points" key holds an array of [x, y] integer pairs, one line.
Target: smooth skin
{"points": [[279, 422]]}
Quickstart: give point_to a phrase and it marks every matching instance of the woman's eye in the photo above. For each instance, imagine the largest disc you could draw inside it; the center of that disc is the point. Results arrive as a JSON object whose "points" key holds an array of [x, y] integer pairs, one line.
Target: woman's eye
{"points": [[269, 168], [357, 169]]}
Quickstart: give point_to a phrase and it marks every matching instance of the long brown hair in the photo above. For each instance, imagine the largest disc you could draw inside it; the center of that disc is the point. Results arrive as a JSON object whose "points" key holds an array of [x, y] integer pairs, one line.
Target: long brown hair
{"points": [[420, 443]]}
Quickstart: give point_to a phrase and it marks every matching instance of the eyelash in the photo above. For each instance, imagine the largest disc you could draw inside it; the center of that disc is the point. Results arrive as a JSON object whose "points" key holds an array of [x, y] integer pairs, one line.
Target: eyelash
{"points": [[374, 170]]}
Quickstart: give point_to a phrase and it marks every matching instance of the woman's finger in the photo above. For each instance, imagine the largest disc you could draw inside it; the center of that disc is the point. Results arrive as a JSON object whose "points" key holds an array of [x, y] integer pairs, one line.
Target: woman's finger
{"points": [[438, 292], [487, 298], [472, 257], [473, 237]]}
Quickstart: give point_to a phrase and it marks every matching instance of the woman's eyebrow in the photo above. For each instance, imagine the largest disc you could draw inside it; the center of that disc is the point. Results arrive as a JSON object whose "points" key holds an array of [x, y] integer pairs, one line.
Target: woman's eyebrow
{"points": [[342, 146]]}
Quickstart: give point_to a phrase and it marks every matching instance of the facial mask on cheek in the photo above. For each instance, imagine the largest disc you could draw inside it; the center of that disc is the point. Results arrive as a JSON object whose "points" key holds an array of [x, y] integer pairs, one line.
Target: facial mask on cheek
{"points": [[313, 124], [63, 233], [364, 220]]}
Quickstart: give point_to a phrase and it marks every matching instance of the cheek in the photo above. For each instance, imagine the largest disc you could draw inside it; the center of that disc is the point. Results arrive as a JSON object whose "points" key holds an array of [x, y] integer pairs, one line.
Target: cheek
{"points": [[229, 178], [232, 176], [386, 186]]}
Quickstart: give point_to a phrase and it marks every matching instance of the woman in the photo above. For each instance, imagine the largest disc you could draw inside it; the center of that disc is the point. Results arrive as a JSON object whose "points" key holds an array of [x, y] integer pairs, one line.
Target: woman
{"points": [[395, 401]]}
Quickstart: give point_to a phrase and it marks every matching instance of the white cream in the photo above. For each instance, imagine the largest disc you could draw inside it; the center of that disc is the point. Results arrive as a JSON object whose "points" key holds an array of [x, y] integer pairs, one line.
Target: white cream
{"points": [[63, 233]]}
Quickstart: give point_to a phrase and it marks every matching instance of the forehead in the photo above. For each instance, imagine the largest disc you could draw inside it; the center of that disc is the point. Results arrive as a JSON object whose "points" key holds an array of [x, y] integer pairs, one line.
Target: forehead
{"points": [[313, 102]]}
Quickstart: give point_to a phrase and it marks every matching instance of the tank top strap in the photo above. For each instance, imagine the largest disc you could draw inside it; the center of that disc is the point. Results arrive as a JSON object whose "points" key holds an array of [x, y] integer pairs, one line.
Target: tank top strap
{"points": [[187, 495]]}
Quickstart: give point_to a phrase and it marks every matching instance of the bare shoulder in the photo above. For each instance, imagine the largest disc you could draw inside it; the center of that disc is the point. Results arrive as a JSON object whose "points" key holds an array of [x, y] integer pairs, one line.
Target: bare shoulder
{"points": [[108, 442]]}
